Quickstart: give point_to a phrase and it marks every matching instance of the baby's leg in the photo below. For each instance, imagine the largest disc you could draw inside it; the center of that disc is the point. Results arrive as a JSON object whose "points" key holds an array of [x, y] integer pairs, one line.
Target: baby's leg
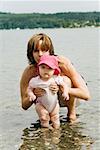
{"points": [[43, 115], [54, 117]]}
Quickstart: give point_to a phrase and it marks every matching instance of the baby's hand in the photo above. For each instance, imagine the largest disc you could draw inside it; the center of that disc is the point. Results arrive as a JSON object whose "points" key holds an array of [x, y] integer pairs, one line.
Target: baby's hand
{"points": [[65, 92], [66, 96], [30, 93], [32, 97]]}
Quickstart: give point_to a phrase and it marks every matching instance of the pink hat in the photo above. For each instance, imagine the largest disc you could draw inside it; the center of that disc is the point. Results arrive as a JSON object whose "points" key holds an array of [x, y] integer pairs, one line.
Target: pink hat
{"points": [[50, 61]]}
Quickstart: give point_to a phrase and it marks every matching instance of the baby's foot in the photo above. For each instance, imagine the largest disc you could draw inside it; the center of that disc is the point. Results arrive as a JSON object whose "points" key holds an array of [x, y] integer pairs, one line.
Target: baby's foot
{"points": [[56, 126]]}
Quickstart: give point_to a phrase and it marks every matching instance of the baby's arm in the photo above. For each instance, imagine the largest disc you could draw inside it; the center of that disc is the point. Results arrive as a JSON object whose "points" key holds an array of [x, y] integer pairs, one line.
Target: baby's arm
{"points": [[31, 95], [65, 91], [60, 81]]}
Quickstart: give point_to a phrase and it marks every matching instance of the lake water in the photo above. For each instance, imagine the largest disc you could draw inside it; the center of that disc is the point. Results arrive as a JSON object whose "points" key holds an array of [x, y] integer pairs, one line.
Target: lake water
{"points": [[82, 47]]}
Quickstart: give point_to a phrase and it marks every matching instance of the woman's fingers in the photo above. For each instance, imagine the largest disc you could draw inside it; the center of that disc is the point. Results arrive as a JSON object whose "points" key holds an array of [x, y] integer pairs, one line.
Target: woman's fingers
{"points": [[39, 92], [54, 88]]}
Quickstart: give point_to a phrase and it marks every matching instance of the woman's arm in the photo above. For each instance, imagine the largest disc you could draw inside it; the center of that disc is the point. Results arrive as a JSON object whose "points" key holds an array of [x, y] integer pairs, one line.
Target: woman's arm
{"points": [[26, 76], [79, 88]]}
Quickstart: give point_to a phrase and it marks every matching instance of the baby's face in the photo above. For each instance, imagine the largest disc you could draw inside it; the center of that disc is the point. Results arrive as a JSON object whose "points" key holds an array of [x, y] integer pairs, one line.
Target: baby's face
{"points": [[45, 72]]}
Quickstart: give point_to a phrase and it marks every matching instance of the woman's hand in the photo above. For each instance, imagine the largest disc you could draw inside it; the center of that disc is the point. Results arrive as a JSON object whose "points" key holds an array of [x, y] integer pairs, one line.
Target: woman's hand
{"points": [[54, 88], [39, 92]]}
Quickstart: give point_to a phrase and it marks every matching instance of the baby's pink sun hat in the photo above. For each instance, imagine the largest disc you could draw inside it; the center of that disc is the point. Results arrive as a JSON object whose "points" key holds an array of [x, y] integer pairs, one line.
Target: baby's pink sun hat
{"points": [[51, 61]]}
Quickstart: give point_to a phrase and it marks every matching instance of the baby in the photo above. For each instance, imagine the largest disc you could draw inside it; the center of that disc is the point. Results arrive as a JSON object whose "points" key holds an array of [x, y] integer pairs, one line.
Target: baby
{"points": [[47, 106]]}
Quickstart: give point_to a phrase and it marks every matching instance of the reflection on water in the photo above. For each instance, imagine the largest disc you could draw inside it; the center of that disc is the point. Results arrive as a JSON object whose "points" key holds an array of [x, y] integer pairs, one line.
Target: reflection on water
{"points": [[67, 137]]}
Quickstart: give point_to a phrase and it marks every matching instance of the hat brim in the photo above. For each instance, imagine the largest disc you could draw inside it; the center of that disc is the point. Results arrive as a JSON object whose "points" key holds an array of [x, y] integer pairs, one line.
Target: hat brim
{"points": [[57, 70]]}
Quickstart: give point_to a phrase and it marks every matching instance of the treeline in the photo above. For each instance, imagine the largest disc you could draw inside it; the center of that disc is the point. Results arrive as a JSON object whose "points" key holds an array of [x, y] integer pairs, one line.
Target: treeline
{"points": [[57, 20]]}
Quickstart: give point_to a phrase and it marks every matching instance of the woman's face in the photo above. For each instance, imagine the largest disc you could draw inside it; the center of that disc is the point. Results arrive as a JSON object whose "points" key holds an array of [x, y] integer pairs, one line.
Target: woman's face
{"points": [[39, 52]]}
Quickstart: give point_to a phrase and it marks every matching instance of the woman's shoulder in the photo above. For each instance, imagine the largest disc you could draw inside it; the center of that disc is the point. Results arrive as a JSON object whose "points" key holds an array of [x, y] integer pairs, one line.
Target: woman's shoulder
{"points": [[63, 57], [64, 60], [29, 72], [30, 68]]}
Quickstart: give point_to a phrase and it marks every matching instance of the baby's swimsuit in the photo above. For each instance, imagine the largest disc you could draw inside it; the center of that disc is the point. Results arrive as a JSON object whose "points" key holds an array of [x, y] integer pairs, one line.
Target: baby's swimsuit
{"points": [[48, 100]]}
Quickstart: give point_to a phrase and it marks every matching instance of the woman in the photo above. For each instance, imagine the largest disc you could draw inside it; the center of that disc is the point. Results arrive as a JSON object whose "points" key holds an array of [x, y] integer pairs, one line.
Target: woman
{"points": [[39, 45]]}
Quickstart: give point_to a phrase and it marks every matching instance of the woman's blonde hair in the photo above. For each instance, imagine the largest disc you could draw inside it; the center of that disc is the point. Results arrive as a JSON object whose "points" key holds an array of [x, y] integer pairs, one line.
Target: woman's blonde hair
{"points": [[33, 44]]}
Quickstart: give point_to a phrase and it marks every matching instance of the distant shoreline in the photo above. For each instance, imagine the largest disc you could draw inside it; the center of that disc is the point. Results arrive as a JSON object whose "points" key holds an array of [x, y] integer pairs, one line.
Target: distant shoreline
{"points": [[55, 20]]}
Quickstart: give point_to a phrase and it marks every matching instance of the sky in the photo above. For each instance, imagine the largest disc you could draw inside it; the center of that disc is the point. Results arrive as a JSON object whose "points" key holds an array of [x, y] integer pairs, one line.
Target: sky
{"points": [[48, 6]]}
